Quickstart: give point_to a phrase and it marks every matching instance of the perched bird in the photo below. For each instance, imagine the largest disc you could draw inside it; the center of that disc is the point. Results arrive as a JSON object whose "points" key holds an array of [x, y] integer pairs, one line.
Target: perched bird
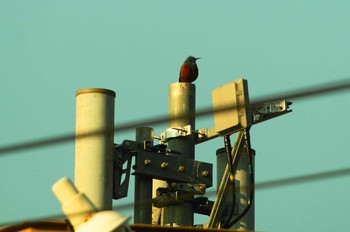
{"points": [[189, 70]]}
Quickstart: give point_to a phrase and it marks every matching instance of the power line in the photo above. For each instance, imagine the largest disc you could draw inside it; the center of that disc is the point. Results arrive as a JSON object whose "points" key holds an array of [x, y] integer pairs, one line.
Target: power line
{"points": [[303, 179], [309, 92], [314, 91], [258, 186]]}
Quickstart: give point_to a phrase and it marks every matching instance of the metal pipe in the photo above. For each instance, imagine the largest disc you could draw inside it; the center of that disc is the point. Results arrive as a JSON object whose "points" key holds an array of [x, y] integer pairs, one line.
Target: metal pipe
{"points": [[94, 152], [143, 184], [247, 222], [229, 203], [182, 99], [243, 217], [225, 188]]}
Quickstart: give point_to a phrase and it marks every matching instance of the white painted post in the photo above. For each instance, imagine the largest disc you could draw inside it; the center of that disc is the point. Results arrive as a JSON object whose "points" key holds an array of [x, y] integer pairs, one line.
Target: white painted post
{"points": [[94, 145]]}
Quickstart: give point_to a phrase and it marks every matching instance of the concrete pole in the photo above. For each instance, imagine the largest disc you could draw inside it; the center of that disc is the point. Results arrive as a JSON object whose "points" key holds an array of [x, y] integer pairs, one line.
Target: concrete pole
{"points": [[143, 184], [94, 153], [182, 99]]}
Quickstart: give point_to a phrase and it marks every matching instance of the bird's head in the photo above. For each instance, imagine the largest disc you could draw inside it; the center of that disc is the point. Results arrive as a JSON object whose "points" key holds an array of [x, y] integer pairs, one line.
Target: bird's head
{"points": [[191, 59]]}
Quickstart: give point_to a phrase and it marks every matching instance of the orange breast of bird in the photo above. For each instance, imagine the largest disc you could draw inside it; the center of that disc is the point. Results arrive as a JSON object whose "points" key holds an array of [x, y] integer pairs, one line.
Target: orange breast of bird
{"points": [[188, 73]]}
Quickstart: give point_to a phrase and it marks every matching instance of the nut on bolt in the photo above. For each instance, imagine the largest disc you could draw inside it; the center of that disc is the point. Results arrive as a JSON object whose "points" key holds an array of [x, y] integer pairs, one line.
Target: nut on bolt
{"points": [[164, 164], [205, 173], [146, 162], [181, 168]]}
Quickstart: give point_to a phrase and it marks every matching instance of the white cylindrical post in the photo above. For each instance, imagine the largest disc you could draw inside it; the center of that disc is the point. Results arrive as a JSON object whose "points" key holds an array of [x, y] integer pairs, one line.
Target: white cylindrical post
{"points": [[94, 145], [143, 184], [182, 106]]}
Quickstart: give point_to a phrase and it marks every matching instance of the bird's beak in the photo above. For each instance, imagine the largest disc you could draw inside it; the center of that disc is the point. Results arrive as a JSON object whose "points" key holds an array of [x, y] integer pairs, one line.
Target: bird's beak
{"points": [[197, 58]]}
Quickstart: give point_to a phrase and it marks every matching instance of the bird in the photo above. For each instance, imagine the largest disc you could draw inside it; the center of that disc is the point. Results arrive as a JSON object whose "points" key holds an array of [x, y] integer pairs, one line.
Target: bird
{"points": [[189, 70]]}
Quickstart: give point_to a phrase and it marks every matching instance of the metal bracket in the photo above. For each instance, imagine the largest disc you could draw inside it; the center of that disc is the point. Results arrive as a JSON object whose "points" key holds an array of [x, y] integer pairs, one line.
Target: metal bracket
{"points": [[202, 205], [268, 110], [173, 168], [122, 160], [170, 198], [198, 189], [260, 113], [153, 161], [177, 193], [174, 132], [121, 174], [206, 134]]}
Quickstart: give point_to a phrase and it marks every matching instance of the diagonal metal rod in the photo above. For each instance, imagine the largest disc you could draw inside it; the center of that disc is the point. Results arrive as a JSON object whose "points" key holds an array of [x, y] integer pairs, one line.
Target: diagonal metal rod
{"points": [[218, 207]]}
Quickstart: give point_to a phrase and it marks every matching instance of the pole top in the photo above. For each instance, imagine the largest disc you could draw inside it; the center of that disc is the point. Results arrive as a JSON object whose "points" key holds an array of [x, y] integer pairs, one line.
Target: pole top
{"points": [[95, 90], [182, 84]]}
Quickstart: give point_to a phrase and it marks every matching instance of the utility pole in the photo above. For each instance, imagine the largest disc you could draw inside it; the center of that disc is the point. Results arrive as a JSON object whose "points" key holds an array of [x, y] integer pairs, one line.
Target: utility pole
{"points": [[182, 103], [143, 184], [94, 145], [175, 166]]}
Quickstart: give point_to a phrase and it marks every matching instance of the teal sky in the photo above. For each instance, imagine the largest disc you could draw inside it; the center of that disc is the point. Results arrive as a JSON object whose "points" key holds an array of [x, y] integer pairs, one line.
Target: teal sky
{"points": [[50, 49]]}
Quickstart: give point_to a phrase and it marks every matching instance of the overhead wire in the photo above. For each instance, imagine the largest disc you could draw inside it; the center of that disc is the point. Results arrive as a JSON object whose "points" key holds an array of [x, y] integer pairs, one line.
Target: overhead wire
{"points": [[282, 182], [308, 92]]}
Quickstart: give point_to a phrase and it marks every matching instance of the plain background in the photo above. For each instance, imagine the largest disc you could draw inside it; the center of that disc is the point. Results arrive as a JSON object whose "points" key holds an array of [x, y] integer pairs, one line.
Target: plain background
{"points": [[50, 49]]}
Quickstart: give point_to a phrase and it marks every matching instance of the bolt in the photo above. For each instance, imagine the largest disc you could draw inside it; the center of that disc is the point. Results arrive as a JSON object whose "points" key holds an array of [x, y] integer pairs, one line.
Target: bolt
{"points": [[164, 165], [181, 168], [146, 162], [205, 173]]}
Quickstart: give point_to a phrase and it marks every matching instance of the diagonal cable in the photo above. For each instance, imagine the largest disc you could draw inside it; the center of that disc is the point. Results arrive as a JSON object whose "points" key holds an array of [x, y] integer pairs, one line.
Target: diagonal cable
{"points": [[309, 92], [331, 174]]}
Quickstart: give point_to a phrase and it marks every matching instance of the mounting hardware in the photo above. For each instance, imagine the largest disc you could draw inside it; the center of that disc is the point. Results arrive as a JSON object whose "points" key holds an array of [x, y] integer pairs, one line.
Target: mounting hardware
{"points": [[146, 161], [268, 110], [173, 168], [205, 173], [174, 132], [181, 168], [164, 165], [198, 189]]}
